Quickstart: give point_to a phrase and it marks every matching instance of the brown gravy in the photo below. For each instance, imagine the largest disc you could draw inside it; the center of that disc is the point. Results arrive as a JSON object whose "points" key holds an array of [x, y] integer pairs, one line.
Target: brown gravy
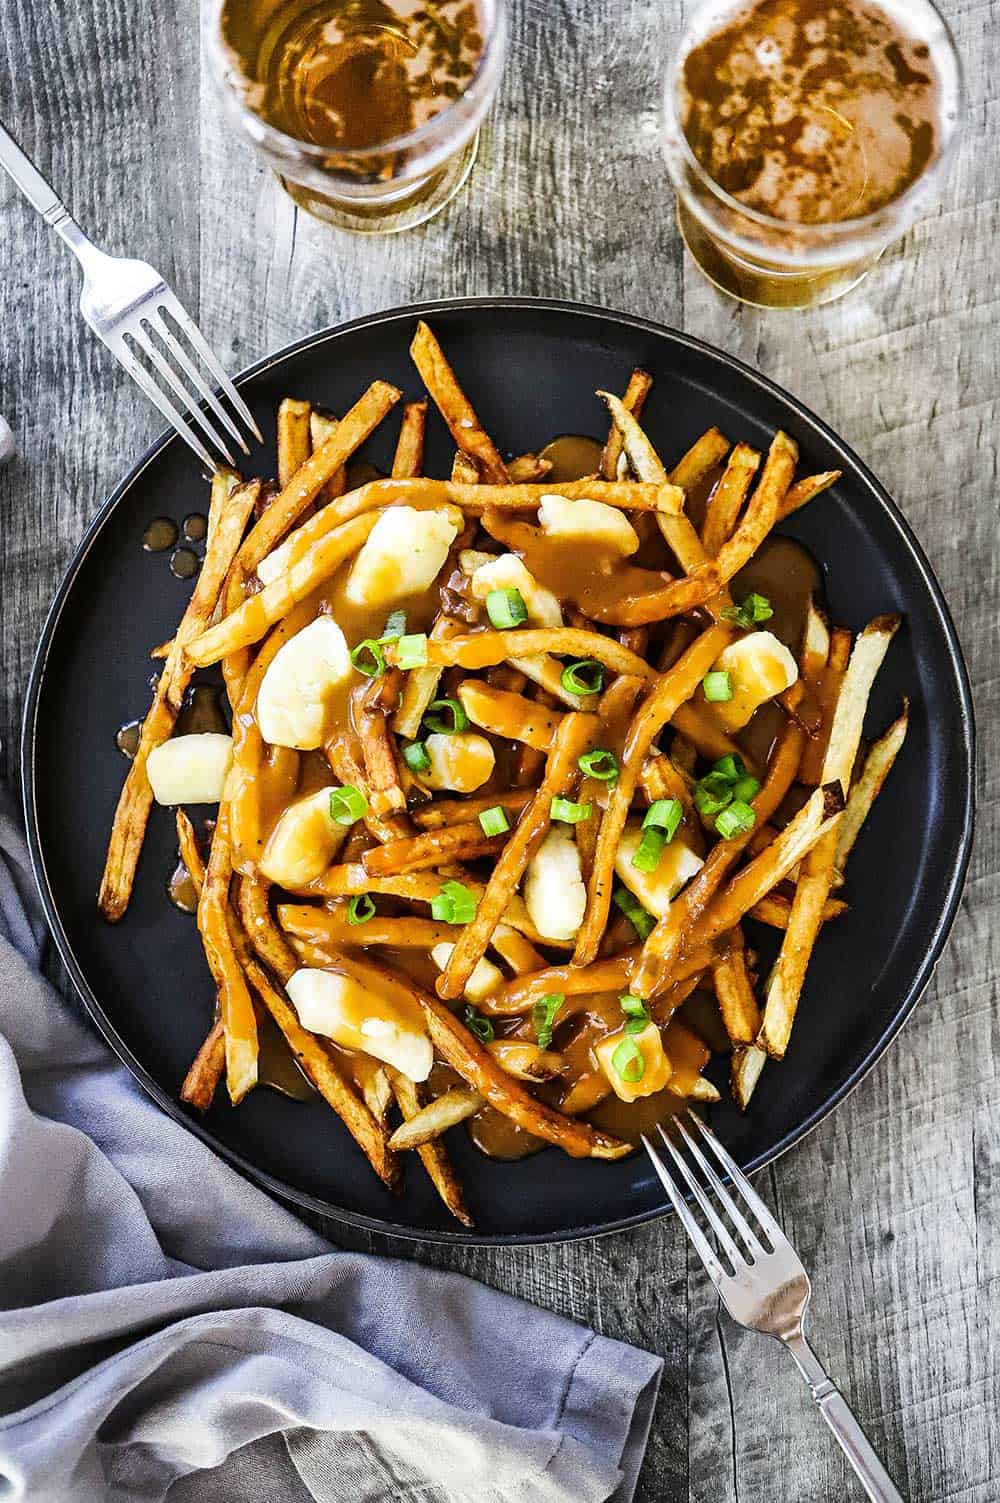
{"points": [[276, 1065], [184, 563], [572, 456], [785, 571], [201, 712], [195, 527], [160, 534], [127, 738], [181, 890]]}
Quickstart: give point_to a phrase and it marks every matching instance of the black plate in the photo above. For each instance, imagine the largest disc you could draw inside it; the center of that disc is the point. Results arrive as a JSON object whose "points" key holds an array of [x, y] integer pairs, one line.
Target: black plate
{"points": [[531, 368]]}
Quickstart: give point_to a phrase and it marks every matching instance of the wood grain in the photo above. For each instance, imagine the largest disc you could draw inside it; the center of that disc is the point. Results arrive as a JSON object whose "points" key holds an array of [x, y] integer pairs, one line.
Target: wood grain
{"points": [[895, 1201]]}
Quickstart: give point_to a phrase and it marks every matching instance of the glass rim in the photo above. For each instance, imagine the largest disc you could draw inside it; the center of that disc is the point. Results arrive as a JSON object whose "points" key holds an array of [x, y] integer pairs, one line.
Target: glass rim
{"points": [[293, 146], [839, 228]]}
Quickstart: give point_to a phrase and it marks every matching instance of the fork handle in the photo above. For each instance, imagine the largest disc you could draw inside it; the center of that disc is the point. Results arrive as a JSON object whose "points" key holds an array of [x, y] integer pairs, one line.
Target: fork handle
{"points": [[18, 166], [834, 1408]]}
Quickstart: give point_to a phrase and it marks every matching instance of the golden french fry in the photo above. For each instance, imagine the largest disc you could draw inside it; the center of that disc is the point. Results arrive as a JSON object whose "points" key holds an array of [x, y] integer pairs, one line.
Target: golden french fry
{"points": [[332, 927], [726, 501], [513, 716], [803, 491], [190, 851], [294, 441], [734, 992], [235, 1005], [408, 459], [437, 1117], [432, 1153], [453, 405], [747, 1063], [878, 765], [454, 811], [526, 1061], [207, 1067], [640, 383], [484, 649], [775, 910], [415, 853]]}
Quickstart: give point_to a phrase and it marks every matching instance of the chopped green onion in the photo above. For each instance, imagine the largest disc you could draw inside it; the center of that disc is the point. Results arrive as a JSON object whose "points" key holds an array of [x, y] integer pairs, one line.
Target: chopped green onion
{"points": [[543, 1015], [718, 687], [506, 608], [453, 720], [629, 1060], [583, 677], [360, 909], [636, 1025], [737, 819], [368, 658], [454, 904], [415, 756], [755, 609], [480, 1027], [642, 922], [664, 814], [712, 793], [566, 810], [347, 805], [394, 627], [600, 764], [731, 767], [494, 821], [746, 788], [633, 1007], [411, 652], [646, 856]]}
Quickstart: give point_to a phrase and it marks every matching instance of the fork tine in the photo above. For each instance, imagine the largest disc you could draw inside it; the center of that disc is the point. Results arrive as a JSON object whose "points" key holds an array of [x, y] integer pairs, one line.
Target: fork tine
{"points": [[179, 354], [739, 1179], [197, 340], [715, 1221], [736, 1216], [703, 1247], [148, 386], [180, 391]]}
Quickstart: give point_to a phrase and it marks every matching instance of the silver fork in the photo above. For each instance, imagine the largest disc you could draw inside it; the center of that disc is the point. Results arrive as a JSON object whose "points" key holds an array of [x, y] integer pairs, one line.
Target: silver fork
{"points": [[765, 1288], [124, 302]]}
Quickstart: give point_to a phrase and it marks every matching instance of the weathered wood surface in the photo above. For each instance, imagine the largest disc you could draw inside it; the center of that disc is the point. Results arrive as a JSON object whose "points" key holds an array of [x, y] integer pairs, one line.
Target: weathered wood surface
{"points": [[894, 1202]]}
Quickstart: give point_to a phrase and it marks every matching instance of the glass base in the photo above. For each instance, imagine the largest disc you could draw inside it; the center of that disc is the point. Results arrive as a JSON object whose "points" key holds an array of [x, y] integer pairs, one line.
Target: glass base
{"points": [[382, 217], [763, 286]]}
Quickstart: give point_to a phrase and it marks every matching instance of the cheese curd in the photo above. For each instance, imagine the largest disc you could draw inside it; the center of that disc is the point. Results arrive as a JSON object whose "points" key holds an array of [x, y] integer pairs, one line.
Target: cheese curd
{"points": [[554, 894], [588, 521], [403, 555], [296, 703], [508, 572], [657, 889], [459, 764], [656, 1067], [302, 843], [761, 668], [485, 978], [356, 1017], [190, 769]]}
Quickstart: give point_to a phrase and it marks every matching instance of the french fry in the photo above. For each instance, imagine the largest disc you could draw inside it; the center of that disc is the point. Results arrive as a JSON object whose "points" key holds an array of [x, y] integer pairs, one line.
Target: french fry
{"points": [[483, 649], [878, 765], [307, 482], [416, 853], [332, 927], [465, 471], [372, 709], [640, 383], [375, 1088], [763, 508], [436, 1117], [546, 672], [260, 928], [322, 427], [775, 910], [454, 406], [726, 502], [350, 879], [526, 1061], [458, 1048], [351, 774], [512, 716], [206, 1070], [408, 459], [294, 441], [662, 947], [451, 811], [803, 491], [813, 888], [518, 951], [608, 975], [694, 723], [433, 1155], [235, 1005], [828, 685], [672, 690], [734, 992], [525, 469], [421, 685], [128, 828], [190, 851], [575, 734], [747, 1064], [704, 454]]}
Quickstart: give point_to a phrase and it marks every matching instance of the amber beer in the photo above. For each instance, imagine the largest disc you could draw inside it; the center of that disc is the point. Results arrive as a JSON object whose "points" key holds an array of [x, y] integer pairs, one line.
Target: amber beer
{"points": [[801, 136], [368, 109]]}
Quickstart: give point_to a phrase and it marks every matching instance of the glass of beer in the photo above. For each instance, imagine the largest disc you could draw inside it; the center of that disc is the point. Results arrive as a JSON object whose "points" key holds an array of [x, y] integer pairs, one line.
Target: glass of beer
{"points": [[367, 110], [803, 136]]}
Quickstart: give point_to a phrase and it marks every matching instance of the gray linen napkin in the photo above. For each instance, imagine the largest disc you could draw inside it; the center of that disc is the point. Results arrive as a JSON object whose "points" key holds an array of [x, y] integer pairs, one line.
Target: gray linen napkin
{"points": [[167, 1331]]}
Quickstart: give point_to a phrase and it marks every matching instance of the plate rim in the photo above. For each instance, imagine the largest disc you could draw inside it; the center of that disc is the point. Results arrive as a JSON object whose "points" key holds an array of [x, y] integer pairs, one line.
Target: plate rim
{"points": [[938, 937]]}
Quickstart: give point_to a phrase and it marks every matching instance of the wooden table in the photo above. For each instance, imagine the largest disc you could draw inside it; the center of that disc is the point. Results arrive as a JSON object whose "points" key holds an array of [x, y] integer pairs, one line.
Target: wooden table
{"points": [[894, 1202]]}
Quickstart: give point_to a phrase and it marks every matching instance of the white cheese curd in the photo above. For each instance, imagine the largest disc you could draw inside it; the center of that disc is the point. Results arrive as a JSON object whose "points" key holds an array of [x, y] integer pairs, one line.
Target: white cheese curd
{"points": [[459, 764], [296, 700], [403, 555], [508, 572], [554, 894], [657, 889], [302, 843], [485, 978], [190, 769], [656, 1070], [588, 521], [761, 668], [355, 1017]]}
